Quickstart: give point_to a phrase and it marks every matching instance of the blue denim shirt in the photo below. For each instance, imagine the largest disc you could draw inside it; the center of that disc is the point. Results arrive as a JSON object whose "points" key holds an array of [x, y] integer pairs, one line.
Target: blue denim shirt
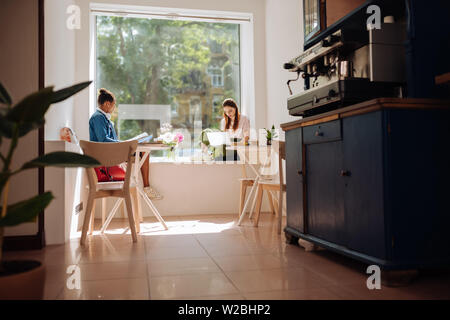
{"points": [[101, 129]]}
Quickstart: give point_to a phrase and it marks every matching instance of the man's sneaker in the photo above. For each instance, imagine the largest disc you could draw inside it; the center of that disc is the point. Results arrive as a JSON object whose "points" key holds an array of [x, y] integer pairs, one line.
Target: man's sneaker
{"points": [[152, 193]]}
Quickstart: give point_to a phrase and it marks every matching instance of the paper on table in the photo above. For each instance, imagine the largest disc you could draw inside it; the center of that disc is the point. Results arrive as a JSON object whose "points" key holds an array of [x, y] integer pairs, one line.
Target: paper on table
{"points": [[139, 136]]}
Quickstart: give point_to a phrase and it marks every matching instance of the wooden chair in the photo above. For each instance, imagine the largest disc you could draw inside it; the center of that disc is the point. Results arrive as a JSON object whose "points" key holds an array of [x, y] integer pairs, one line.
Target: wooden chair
{"points": [[246, 182], [109, 154], [275, 184]]}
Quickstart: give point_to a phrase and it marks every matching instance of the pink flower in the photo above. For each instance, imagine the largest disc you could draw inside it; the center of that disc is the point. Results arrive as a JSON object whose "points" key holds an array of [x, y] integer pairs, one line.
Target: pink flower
{"points": [[179, 137]]}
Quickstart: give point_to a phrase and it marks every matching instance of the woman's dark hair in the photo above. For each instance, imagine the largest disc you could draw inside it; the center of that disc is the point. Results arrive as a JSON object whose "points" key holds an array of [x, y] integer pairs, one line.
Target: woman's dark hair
{"points": [[231, 103], [104, 96]]}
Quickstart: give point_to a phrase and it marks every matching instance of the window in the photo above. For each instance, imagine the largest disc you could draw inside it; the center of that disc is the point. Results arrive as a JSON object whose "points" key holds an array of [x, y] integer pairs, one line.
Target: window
{"points": [[167, 71], [216, 74]]}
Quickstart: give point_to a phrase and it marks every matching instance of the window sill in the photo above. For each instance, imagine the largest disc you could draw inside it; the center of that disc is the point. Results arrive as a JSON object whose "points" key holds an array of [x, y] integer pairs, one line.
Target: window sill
{"points": [[184, 161]]}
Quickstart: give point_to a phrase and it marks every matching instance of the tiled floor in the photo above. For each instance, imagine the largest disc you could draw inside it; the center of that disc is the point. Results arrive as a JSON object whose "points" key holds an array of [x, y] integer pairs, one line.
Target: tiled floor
{"points": [[208, 257]]}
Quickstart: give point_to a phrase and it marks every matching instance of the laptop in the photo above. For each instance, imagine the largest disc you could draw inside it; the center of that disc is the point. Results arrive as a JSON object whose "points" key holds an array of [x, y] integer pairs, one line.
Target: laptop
{"points": [[217, 139]]}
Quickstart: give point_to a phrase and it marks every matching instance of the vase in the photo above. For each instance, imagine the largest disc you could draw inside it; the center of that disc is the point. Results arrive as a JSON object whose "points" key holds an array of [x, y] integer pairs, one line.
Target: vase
{"points": [[172, 154], [23, 279]]}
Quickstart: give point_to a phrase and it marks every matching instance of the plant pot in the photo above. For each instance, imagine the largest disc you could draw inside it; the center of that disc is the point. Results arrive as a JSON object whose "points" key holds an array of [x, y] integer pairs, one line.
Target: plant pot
{"points": [[269, 142], [22, 280]]}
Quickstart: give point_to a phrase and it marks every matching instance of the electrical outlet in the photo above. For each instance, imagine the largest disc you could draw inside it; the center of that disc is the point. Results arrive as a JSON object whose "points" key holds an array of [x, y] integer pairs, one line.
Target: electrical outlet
{"points": [[79, 208]]}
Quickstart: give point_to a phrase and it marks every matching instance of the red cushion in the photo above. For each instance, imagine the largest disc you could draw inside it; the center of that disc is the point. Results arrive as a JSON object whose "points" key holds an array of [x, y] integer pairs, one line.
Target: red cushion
{"points": [[108, 174]]}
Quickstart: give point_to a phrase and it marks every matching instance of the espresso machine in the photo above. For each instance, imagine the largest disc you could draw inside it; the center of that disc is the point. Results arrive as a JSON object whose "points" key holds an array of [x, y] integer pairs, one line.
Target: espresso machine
{"points": [[348, 66]]}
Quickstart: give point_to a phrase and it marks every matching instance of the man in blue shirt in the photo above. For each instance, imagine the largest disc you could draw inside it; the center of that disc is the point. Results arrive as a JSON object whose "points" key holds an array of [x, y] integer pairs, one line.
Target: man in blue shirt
{"points": [[101, 129]]}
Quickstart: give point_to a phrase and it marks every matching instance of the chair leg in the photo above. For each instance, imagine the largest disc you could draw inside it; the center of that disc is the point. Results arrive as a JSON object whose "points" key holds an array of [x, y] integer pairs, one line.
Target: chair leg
{"points": [[131, 217], [269, 196], [91, 223], [137, 220], [242, 196], [87, 219], [259, 196], [280, 210], [103, 210]]}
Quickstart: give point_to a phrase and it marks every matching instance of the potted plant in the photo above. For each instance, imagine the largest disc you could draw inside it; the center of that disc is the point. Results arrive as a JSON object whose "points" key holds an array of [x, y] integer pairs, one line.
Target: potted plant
{"points": [[25, 279], [270, 134]]}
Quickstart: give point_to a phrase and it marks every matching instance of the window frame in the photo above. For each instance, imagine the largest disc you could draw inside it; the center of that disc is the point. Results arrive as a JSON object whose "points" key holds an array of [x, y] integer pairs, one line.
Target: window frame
{"points": [[246, 37]]}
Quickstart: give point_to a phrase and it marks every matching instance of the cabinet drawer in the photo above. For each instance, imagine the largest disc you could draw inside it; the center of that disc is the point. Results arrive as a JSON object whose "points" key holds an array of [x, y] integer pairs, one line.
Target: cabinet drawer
{"points": [[324, 132]]}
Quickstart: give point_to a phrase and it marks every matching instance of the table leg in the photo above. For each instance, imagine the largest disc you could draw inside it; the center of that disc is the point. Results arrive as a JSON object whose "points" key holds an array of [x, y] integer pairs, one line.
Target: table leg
{"points": [[134, 197], [252, 190], [253, 207], [153, 208]]}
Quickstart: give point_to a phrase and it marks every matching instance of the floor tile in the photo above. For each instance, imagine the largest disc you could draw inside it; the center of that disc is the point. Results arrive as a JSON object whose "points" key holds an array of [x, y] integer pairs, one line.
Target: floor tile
{"points": [[303, 294], [207, 257], [195, 251], [165, 267], [276, 279], [118, 289], [248, 262], [113, 270], [191, 285]]}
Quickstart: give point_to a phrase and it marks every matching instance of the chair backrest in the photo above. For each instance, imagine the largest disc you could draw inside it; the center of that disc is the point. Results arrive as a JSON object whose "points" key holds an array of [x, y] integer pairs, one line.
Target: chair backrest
{"points": [[271, 164], [109, 153]]}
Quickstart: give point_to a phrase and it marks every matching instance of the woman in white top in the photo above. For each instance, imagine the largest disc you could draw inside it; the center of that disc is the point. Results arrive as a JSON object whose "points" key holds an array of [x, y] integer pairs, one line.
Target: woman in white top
{"points": [[236, 124]]}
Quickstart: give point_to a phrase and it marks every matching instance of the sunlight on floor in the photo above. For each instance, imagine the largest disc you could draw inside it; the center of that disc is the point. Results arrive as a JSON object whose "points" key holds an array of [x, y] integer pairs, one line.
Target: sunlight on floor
{"points": [[184, 226]]}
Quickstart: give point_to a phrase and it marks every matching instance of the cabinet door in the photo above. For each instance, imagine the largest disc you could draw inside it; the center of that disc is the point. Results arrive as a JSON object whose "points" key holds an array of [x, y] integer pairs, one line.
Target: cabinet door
{"points": [[363, 159], [294, 180], [324, 189]]}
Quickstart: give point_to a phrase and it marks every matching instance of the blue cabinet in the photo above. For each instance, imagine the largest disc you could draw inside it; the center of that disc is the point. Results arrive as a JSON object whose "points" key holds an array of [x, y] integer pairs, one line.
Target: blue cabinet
{"points": [[294, 180], [374, 182]]}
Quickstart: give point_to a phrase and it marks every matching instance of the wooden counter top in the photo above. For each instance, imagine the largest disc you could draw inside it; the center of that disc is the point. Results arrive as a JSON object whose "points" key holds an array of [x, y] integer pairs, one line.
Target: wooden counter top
{"points": [[365, 107]]}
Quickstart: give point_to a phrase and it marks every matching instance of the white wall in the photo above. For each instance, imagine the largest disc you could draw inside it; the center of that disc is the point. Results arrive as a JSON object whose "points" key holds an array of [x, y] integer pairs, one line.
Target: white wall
{"points": [[59, 64], [193, 189], [284, 41]]}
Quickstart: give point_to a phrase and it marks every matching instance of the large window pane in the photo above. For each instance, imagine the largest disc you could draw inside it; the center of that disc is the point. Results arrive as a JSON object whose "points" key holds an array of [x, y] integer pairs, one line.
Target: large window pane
{"points": [[168, 71]]}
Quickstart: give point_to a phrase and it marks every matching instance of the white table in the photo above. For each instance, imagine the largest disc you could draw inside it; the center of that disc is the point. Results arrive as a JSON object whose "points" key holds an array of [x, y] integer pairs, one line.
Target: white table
{"points": [[253, 156], [145, 148]]}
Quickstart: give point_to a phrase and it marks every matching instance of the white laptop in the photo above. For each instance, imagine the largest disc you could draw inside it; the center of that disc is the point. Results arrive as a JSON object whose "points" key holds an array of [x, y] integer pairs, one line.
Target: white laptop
{"points": [[217, 139]]}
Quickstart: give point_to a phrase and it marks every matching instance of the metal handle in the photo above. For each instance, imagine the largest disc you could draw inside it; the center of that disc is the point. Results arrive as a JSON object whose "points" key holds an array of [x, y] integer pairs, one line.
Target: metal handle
{"points": [[318, 134], [300, 173], [345, 173]]}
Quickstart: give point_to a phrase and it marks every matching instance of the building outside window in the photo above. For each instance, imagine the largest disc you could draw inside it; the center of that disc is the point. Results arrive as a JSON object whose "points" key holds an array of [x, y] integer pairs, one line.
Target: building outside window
{"points": [[216, 74]]}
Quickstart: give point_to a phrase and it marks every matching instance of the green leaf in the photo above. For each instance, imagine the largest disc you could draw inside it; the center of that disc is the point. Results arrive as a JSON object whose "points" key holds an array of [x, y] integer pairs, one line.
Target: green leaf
{"points": [[33, 107], [63, 160], [65, 93], [4, 95], [26, 211], [6, 127]]}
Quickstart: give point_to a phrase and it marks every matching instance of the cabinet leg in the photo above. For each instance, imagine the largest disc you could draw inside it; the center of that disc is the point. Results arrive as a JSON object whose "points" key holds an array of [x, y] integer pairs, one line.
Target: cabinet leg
{"points": [[398, 278], [290, 239]]}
